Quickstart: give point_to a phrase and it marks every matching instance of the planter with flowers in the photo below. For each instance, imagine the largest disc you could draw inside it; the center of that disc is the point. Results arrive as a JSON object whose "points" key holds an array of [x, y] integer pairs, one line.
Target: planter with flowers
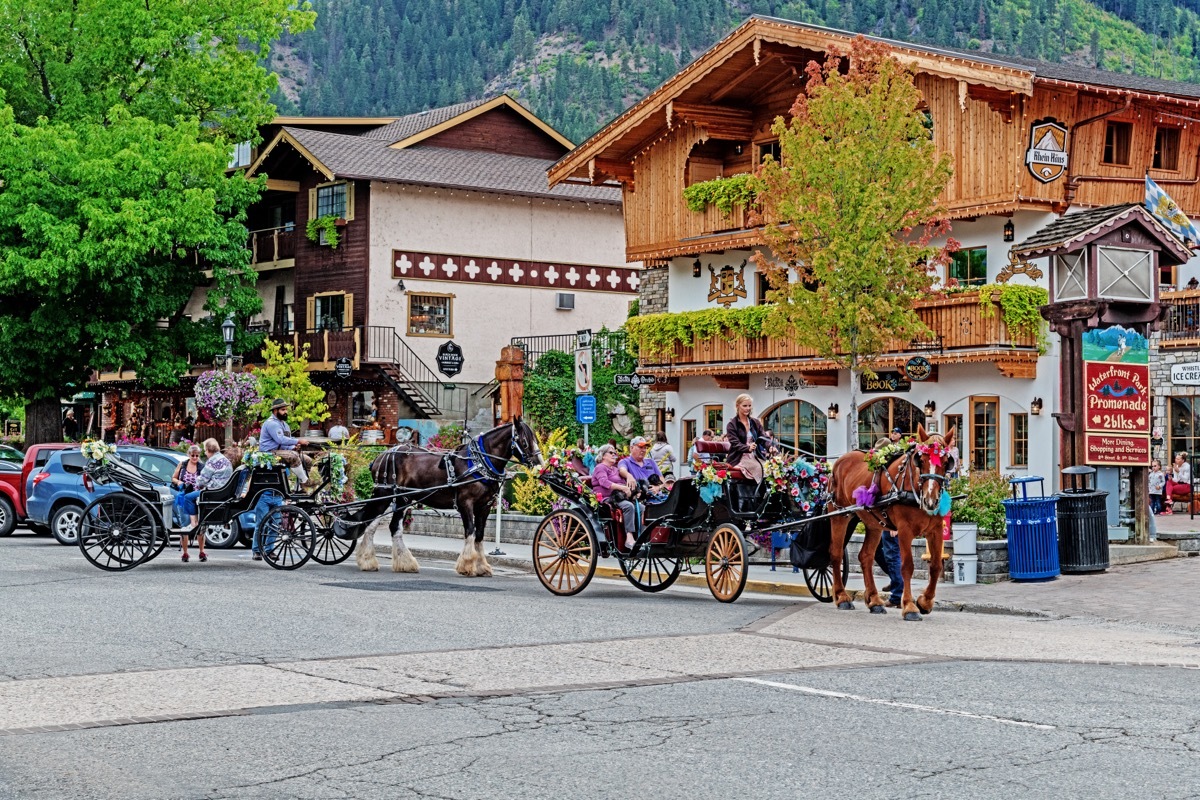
{"points": [[222, 396]]}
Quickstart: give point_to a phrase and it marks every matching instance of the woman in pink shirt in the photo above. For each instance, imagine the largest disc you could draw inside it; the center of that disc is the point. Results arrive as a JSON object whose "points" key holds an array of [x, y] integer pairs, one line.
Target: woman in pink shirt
{"points": [[605, 478]]}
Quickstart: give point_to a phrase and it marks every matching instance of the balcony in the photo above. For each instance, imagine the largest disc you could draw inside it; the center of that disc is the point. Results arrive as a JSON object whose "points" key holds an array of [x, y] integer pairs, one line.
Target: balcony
{"points": [[273, 248], [961, 334], [1180, 326]]}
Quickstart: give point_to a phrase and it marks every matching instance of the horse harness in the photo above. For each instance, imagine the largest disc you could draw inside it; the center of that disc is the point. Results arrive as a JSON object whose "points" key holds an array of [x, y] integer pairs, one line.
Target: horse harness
{"points": [[895, 493]]}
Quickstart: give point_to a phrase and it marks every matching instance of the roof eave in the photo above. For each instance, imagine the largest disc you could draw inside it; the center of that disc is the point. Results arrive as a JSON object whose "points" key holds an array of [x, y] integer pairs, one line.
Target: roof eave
{"points": [[496, 102], [481, 189], [283, 137]]}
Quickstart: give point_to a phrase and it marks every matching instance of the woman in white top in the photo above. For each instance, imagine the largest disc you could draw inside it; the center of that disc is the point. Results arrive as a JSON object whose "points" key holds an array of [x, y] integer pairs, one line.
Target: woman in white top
{"points": [[663, 455], [1179, 483]]}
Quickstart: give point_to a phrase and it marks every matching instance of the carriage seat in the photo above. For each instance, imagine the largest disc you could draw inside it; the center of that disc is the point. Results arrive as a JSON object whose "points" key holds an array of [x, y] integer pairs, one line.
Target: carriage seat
{"points": [[720, 448], [228, 489], [681, 501], [581, 470]]}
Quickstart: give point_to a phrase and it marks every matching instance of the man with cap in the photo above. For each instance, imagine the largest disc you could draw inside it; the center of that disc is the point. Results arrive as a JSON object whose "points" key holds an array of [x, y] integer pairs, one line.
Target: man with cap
{"points": [[642, 469], [276, 437]]}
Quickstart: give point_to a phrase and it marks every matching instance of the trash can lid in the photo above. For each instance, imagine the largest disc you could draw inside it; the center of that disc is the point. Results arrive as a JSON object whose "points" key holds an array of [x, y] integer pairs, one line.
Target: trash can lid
{"points": [[1079, 470]]}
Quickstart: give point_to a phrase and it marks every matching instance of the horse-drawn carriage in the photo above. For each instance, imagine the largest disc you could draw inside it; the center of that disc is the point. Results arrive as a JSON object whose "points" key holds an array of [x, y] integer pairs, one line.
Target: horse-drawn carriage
{"points": [[699, 522]]}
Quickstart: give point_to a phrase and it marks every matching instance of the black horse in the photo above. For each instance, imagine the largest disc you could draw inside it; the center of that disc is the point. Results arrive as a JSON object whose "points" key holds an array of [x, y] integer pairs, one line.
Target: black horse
{"points": [[466, 479]]}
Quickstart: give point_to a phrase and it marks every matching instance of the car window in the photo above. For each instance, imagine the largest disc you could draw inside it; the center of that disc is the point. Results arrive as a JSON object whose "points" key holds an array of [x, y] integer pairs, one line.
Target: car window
{"points": [[158, 466], [42, 456], [11, 454]]}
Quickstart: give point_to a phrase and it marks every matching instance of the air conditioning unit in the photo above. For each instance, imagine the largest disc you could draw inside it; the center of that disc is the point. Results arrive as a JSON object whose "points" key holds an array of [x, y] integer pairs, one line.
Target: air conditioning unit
{"points": [[565, 301]]}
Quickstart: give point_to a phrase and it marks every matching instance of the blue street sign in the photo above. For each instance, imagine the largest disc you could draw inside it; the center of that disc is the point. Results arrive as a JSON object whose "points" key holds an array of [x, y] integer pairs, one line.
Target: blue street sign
{"points": [[585, 409]]}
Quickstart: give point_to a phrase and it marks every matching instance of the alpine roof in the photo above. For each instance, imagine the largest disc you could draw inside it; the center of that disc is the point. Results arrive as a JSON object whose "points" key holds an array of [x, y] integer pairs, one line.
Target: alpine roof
{"points": [[1071, 229]]}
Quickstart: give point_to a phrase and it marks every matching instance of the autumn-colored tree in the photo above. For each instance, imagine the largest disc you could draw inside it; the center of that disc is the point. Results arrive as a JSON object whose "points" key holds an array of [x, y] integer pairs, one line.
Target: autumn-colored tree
{"points": [[850, 211]]}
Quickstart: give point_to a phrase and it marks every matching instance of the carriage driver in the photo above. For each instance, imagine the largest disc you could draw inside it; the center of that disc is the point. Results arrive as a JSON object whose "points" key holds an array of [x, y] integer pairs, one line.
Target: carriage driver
{"points": [[276, 438], [606, 478]]}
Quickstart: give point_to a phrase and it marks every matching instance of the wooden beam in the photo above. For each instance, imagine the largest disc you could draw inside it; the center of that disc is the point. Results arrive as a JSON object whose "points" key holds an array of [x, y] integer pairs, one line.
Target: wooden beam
{"points": [[602, 168], [825, 377], [733, 381], [280, 185], [721, 122]]}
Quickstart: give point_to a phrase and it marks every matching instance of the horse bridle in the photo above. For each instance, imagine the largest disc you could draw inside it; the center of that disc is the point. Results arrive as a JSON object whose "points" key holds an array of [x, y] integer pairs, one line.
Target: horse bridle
{"points": [[514, 450]]}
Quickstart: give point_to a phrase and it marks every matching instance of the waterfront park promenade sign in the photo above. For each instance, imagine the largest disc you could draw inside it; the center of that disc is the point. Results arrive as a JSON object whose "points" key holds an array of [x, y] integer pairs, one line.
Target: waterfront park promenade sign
{"points": [[1116, 393]]}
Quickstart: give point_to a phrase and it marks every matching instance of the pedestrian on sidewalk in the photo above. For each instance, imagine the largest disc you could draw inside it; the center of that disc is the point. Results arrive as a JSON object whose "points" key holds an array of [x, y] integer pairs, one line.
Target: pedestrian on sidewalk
{"points": [[1179, 482], [1158, 481]]}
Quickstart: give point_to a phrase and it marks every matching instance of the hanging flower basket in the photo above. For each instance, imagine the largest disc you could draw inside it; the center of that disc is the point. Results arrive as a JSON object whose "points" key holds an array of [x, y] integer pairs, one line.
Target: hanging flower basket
{"points": [[226, 395]]}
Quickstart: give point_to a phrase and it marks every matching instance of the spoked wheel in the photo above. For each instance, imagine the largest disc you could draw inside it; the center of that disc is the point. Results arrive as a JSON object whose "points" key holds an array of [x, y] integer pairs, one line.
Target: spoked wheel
{"points": [[287, 537], [118, 531], [564, 552], [820, 581], [725, 563], [329, 549], [650, 573]]}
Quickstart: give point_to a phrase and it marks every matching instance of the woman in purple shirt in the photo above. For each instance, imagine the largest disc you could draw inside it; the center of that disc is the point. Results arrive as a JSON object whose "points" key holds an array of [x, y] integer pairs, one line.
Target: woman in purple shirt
{"points": [[605, 478]]}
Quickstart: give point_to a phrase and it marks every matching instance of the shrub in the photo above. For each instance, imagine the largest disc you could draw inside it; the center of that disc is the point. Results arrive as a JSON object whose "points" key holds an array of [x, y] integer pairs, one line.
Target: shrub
{"points": [[983, 504]]}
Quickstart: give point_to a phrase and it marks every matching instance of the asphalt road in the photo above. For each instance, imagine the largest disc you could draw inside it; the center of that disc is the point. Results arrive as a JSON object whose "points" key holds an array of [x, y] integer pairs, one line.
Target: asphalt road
{"points": [[231, 680]]}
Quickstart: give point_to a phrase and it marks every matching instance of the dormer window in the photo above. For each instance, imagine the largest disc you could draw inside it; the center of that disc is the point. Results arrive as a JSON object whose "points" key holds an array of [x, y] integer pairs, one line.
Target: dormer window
{"points": [[331, 200]]}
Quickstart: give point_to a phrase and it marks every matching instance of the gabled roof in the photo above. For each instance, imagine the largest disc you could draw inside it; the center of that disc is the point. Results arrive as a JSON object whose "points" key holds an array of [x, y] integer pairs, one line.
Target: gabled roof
{"points": [[1076, 229], [415, 128], [337, 155], [400, 128]]}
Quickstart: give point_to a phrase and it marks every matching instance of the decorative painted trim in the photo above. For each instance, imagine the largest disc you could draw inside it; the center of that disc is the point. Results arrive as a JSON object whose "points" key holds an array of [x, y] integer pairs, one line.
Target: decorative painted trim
{"points": [[507, 272]]}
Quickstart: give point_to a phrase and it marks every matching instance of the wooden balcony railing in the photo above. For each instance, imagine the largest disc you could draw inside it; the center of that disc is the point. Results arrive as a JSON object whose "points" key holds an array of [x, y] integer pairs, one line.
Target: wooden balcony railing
{"points": [[1180, 326], [713, 220], [958, 324], [272, 245], [326, 346]]}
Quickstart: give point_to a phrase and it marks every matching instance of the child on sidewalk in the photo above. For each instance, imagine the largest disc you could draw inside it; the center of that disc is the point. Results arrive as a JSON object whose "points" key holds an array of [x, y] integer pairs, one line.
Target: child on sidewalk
{"points": [[1158, 481]]}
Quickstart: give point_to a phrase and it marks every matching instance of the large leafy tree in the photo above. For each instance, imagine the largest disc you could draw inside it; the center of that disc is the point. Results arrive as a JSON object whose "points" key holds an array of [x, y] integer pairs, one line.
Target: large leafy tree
{"points": [[851, 210], [116, 122]]}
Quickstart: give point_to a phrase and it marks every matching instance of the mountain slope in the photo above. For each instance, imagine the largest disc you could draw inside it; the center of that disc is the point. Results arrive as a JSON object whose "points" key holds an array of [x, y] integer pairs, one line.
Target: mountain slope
{"points": [[579, 63]]}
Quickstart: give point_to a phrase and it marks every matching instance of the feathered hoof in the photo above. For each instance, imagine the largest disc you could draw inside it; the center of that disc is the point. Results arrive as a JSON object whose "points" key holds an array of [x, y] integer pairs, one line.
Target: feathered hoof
{"points": [[912, 616], [846, 605], [368, 566], [405, 563], [878, 610], [484, 570]]}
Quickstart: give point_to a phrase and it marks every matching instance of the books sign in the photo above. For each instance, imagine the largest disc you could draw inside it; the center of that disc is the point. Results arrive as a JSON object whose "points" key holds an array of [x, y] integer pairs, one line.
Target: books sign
{"points": [[885, 381]]}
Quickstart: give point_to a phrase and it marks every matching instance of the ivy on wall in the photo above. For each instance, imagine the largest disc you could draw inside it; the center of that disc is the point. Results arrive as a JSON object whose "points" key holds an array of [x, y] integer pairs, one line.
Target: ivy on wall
{"points": [[657, 334], [550, 394], [724, 193], [1020, 306]]}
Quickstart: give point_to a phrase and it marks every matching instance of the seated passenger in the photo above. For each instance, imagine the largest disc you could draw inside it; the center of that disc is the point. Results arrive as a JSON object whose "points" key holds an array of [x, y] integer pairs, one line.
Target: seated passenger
{"points": [[643, 470], [606, 478], [216, 472]]}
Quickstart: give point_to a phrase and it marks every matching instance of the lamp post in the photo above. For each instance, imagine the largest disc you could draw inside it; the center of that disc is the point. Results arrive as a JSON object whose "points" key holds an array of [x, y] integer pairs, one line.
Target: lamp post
{"points": [[227, 331]]}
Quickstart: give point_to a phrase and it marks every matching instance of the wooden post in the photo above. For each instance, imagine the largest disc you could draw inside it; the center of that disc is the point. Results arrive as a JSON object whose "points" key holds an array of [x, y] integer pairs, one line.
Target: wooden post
{"points": [[510, 373]]}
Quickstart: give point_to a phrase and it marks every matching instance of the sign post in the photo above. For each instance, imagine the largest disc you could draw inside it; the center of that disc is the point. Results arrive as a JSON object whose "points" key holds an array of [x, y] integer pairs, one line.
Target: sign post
{"points": [[583, 383]]}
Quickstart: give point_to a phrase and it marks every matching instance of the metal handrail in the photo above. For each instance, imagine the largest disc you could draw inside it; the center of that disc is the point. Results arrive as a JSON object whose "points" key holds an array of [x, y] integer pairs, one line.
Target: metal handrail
{"points": [[384, 344]]}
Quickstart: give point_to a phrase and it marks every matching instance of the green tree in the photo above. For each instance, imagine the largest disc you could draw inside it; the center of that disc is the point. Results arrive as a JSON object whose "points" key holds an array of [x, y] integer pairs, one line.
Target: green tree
{"points": [[116, 121], [851, 211], [286, 375]]}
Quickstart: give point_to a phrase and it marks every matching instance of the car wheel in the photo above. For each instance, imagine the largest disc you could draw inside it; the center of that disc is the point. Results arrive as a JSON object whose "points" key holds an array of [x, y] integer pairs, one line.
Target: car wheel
{"points": [[64, 524], [8, 516], [220, 537]]}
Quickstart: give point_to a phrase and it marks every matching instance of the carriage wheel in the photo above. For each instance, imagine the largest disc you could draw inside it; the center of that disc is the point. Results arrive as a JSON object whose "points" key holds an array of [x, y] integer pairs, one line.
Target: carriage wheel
{"points": [[329, 549], [287, 537], [118, 531], [650, 573], [725, 563], [564, 552], [820, 581]]}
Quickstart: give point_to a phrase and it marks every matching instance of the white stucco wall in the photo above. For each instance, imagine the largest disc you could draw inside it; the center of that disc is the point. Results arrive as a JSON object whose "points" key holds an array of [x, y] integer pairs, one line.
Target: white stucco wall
{"points": [[485, 317]]}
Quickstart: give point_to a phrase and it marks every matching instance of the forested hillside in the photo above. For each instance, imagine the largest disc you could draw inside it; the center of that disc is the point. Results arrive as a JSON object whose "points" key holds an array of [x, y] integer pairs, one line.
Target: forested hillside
{"points": [[578, 63]]}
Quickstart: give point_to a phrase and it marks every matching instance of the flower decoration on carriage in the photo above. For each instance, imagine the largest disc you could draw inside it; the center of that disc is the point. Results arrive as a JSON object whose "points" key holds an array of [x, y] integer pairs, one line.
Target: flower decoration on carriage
{"points": [[881, 457], [257, 458], [711, 482], [564, 465], [96, 450], [337, 472]]}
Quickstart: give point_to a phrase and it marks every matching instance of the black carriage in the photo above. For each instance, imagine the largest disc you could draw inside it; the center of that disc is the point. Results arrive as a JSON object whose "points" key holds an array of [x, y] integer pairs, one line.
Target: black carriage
{"points": [[685, 531], [124, 528]]}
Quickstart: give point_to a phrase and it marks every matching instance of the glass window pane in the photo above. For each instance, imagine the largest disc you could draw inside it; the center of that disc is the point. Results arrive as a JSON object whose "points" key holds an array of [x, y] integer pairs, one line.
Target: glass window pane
{"points": [[429, 314], [984, 425], [331, 200], [873, 423]]}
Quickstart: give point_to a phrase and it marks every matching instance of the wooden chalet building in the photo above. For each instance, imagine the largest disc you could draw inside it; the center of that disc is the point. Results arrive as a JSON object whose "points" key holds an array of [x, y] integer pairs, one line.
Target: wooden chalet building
{"points": [[1030, 142], [448, 232]]}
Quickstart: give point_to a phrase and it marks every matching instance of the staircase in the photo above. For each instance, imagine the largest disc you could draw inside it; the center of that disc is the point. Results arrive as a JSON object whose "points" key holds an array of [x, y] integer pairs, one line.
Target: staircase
{"points": [[421, 403], [410, 377]]}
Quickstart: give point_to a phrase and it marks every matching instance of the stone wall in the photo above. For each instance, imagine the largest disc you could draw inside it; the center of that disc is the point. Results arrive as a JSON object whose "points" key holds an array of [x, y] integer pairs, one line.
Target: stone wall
{"points": [[1161, 388], [652, 299]]}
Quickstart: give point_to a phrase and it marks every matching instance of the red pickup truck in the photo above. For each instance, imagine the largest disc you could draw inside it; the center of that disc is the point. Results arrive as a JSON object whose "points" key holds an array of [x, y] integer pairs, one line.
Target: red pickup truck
{"points": [[15, 485]]}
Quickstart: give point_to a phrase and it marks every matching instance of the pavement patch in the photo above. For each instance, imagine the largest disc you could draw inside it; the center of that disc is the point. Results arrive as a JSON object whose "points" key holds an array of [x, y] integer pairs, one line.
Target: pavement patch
{"points": [[412, 586]]}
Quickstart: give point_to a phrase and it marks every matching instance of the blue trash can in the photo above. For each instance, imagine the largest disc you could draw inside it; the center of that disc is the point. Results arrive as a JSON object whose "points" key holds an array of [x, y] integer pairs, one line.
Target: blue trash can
{"points": [[1032, 524]]}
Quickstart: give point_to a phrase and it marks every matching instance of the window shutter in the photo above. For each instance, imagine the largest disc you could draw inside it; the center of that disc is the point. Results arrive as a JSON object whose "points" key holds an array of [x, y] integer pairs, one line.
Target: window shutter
{"points": [[349, 323], [312, 203], [349, 200], [310, 322]]}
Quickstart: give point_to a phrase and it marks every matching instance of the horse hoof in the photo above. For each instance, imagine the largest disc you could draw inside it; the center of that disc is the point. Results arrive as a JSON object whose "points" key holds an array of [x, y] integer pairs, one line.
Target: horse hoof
{"points": [[924, 610], [912, 616], [878, 610], [846, 605]]}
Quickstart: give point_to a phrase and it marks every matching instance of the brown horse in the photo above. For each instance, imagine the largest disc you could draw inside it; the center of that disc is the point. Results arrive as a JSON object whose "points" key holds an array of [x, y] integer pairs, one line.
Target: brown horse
{"points": [[466, 480], [919, 477]]}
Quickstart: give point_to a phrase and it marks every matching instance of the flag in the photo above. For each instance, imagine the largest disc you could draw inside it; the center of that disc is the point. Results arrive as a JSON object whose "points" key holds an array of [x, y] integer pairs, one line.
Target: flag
{"points": [[1160, 204]]}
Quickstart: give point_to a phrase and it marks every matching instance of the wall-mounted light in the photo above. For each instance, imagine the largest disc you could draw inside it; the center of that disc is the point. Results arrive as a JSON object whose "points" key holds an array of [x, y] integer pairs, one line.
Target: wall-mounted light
{"points": [[833, 410], [669, 414], [400, 285], [1035, 407], [696, 268], [930, 408], [737, 149], [1010, 232]]}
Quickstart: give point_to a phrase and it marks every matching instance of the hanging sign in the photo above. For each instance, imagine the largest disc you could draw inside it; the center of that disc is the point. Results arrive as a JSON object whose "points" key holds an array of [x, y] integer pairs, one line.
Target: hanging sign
{"points": [[12, 427], [449, 359], [1116, 397], [885, 381], [1115, 343], [918, 368], [1047, 153], [1116, 450], [343, 368]]}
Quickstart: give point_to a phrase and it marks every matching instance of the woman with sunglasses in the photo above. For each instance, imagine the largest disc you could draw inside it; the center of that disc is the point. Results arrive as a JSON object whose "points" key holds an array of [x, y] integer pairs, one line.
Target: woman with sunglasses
{"points": [[184, 481]]}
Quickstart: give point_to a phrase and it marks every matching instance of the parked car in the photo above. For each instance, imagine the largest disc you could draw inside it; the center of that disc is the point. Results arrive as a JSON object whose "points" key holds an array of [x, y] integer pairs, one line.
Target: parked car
{"points": [[11, 455], [56, 495], [15, 484]]}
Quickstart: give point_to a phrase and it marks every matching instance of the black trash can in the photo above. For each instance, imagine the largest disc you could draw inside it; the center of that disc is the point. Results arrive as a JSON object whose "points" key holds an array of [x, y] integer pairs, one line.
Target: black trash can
{"points": [[1082, 523]]}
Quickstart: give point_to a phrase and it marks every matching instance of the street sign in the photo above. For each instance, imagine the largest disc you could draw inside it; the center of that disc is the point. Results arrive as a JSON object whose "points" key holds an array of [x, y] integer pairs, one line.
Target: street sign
{"points": [[583, 371], [634, 380], [343, 368], [585, 409], [583, 338], [449, 359]]}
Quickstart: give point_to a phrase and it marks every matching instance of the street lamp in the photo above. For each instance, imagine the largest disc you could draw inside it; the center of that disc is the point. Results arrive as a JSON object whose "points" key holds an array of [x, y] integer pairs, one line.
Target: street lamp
{"points": [[227, 331]]}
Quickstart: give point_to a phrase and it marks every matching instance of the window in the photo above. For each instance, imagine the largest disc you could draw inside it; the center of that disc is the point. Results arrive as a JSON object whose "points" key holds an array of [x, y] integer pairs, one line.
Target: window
{"points": [[798, 427], [689, 436], [969, 266], [330, 312], [954, 421], [764, 286], [985, 425], [288, 323], [240, 157], [430, 315], [769, 149], [362, 409], [1166, 149], [1184, 428], [1019, 424], [1117, 138], [331, 200], [714, 419], [877, 418]]}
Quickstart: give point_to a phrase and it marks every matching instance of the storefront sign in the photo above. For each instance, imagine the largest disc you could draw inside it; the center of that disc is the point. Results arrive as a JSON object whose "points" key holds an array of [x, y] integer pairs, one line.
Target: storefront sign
{"points": [[343, 368], [791, 384], [885, 381], [1116, 450], [12, 427], [1185, 374], [1047, 153], [1116, 397], [728, 285], [918, 368], [449, 359]]}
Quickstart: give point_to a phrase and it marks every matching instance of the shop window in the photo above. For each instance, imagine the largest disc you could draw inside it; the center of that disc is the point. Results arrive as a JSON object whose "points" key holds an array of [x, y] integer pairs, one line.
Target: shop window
{"points": [[1117, 139], [362, 409], [1166, 149], [968, 266], [430, 315], [714, 419], [1019, 439], [1183, 430], [330, 311], [689, 436], [985, 432], [877, 418], [799, 428], [954, 421]]}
